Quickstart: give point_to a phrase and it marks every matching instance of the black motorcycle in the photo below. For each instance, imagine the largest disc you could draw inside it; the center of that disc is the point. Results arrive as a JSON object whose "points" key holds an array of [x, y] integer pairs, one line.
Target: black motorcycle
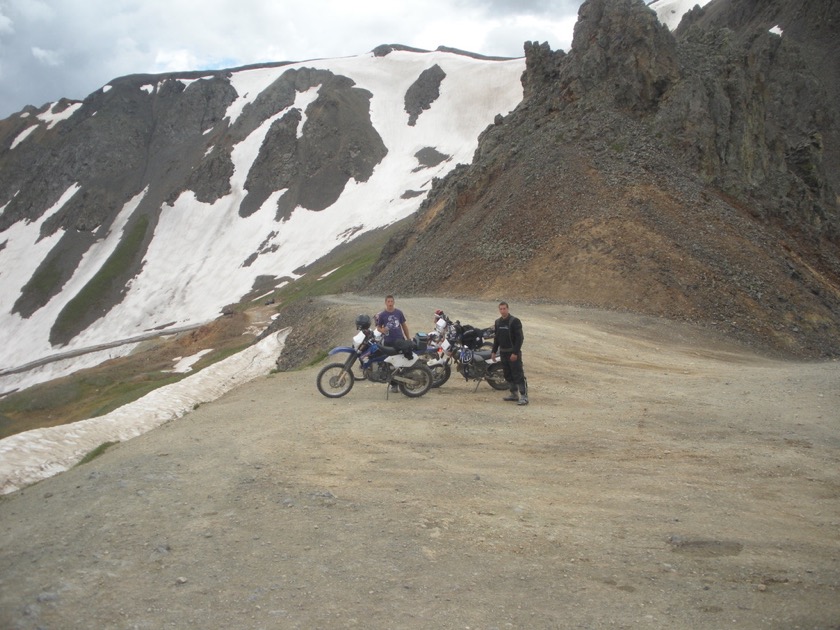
{"points": [[471, 355]]}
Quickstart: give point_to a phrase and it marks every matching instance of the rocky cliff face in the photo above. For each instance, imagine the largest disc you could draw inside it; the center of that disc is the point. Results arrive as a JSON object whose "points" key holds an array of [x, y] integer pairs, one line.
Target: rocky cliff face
{"points": [[688, 174]]}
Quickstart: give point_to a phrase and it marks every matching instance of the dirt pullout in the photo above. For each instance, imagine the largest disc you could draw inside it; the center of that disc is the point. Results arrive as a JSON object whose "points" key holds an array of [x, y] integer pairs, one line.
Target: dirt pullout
{"points": [[659, 478]]}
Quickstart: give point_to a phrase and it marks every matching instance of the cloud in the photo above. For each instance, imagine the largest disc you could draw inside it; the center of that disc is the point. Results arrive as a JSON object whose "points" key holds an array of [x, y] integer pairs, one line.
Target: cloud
{"points": [[6, 25], [66, 48], [47, 57]]}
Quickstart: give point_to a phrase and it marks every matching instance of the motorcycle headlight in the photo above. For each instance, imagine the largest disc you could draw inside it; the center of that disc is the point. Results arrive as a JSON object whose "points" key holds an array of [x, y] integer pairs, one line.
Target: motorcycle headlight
{"points": [[358, 339]]}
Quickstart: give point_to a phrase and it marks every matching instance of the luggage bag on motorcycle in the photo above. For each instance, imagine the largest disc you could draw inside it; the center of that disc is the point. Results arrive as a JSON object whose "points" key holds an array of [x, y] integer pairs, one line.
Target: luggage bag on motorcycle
{"points": [[421, 342], [471, 337], [405, 346]]}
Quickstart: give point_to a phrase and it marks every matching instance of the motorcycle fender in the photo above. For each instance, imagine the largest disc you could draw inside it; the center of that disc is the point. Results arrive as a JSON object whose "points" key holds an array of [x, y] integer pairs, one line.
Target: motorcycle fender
{"points": [[340, 349]]}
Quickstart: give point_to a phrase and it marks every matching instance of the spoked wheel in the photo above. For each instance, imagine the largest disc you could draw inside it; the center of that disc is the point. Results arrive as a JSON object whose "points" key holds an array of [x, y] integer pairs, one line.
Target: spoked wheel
{"points": [[496, 376], [440, 374], [334, 381], [421, 381]]}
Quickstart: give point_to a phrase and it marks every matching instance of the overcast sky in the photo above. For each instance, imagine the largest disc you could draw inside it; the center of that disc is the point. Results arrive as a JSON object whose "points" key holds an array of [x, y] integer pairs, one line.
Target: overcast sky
{"points": [[68, 48]]}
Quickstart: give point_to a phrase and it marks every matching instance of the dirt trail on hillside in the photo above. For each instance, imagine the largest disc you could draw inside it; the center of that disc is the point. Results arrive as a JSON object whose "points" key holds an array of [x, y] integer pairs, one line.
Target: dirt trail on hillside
{"points": [[660, 478]]}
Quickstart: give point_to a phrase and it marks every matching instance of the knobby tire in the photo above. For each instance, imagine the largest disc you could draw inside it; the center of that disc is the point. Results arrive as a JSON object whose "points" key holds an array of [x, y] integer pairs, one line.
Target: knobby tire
{"points": [[422, 377], [334, 381]]}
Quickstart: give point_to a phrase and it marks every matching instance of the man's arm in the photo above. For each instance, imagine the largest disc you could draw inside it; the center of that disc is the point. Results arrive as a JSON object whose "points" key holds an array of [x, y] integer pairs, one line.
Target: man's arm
{"points": [[404, 325], [516, 335]]}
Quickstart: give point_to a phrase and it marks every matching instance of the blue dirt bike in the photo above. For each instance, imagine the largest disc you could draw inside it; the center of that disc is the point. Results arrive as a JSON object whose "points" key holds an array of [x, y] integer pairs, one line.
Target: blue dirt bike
{"points": [[379, 363]]}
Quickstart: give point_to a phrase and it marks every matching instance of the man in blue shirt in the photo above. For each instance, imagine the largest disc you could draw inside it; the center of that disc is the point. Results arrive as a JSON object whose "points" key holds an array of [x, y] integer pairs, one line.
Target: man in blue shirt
{"points": [[393, 319]]}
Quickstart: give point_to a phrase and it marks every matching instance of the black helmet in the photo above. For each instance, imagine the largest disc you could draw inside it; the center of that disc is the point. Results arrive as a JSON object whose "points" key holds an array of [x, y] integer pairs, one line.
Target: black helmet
{"points": [[362, 322]]}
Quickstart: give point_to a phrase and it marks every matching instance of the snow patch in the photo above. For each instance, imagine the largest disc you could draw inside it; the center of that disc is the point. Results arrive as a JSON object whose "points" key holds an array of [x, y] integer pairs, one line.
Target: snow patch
{"points": [[184, 364], [670, 12], [40, 453], [23, 135], [52, 118]]}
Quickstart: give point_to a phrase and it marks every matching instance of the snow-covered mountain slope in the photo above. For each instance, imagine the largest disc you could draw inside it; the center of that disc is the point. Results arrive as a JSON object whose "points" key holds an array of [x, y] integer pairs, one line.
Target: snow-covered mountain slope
{"points": [[670, 12], [204, 250]]}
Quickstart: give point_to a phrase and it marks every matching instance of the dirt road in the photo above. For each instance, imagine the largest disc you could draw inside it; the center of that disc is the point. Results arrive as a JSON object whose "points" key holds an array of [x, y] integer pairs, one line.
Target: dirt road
{"points": [[660, 478]]}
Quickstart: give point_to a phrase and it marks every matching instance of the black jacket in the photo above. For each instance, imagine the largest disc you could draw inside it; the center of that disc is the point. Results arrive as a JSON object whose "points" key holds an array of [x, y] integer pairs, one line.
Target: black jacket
{"points": [[508, 336]]}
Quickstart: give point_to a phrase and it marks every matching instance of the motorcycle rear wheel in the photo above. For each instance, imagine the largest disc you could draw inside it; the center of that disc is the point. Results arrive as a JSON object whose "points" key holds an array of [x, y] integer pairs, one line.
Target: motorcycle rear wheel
{"points": [[496, 377], [421, 377], [334, 381]]}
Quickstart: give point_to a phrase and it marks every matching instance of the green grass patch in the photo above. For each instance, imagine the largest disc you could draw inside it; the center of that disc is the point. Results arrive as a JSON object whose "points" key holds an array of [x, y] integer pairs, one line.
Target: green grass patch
{"points": [[122, 393], [95, 295], [352, 265], [45, 280], [76, 397], [323, 354], [96, 452], [220, 355]]}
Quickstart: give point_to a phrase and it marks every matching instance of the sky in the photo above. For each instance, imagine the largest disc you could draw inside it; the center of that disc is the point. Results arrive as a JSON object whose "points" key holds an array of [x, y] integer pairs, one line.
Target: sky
{"points": [[51, 49]]}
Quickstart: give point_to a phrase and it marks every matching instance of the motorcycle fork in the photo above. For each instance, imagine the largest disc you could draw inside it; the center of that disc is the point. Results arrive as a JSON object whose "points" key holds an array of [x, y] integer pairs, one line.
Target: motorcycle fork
{"points": [[351, 360]]}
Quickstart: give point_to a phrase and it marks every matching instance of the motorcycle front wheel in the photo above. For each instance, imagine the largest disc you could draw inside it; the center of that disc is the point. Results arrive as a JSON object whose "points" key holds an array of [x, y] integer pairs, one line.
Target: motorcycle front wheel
{"points": [[421, 381], [440, 374], [334, 381], [496, 376]]}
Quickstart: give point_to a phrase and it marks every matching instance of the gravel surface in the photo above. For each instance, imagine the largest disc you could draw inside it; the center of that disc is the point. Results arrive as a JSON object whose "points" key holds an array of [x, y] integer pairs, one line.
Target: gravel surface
{"points": [[660, 478]]}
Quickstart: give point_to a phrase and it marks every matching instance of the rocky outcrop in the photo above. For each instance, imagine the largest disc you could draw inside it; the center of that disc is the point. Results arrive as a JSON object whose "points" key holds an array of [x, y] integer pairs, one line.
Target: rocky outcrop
{"points": [[312, 164], [620, 51], [423, 92], [680, 174], [753, 116]]}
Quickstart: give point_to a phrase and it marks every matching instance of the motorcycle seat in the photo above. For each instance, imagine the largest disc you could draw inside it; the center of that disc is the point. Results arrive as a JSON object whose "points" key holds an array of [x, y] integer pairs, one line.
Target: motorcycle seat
{"points": [[403, 346], [484, 354]]}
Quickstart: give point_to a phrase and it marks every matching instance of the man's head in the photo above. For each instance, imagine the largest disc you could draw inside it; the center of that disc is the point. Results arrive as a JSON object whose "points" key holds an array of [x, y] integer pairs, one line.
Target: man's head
{"points": [[503, 310], [389, 303]]}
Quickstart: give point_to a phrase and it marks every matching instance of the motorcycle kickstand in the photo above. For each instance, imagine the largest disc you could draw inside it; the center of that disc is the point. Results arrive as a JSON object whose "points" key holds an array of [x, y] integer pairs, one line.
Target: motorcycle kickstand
{"points": [[476, 386]]}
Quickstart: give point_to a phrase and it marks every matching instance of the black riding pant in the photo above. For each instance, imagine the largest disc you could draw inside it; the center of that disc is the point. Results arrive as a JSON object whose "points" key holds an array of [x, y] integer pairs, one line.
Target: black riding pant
{"points": [[514, 372]]}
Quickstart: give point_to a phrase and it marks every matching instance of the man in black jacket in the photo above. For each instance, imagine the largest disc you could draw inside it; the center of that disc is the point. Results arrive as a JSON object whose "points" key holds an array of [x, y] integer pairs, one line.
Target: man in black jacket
{"points": [[508, 340]]}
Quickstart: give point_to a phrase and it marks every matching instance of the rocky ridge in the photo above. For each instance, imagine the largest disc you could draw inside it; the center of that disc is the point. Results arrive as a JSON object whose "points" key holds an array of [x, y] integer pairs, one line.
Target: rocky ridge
{"points": [[682, 175]]}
